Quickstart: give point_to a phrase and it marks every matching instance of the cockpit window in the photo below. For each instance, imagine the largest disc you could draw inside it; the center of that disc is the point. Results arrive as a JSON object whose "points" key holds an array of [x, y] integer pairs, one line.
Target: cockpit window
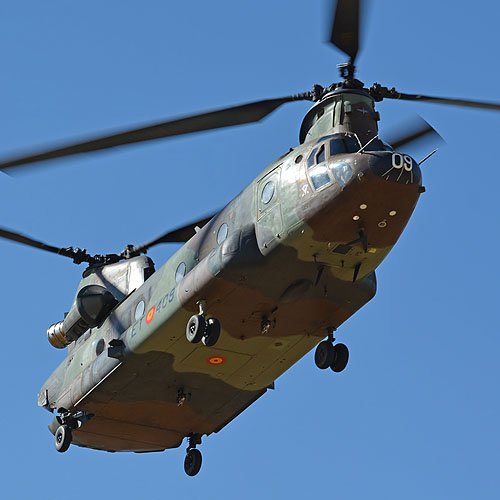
{"points": [[348, 143], [311, 159], [319, 176], [318, 170], [344, 143], [320, 157], [342, 172]]}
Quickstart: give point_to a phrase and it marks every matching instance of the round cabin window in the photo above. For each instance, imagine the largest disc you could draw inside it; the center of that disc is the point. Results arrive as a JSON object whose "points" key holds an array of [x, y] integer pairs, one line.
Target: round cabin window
{"points": [[267, 192], [180, 272], [139, 310], [99, 348], [222, 233]]}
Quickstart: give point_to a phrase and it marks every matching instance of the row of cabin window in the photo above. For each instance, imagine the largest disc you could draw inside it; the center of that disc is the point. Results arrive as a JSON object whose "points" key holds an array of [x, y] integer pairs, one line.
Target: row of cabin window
{"points": [[180, 272], [181, 268]]}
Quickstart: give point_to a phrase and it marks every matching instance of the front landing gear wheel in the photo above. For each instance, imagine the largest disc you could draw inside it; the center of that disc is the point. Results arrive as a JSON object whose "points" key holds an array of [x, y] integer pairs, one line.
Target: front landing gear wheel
{"points": [[212, 333], [195, 328], [192, 462], [324, 355], [63, 438], [340, 358]]}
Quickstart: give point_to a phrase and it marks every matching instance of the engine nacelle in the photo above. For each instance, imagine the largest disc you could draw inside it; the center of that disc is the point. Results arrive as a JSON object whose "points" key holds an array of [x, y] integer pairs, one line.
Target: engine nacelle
{"points": [[92, 306]]}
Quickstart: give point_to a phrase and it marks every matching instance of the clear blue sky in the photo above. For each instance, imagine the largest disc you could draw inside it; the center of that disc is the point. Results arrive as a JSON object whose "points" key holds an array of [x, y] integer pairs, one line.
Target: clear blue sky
{"points": [[416, 413]]}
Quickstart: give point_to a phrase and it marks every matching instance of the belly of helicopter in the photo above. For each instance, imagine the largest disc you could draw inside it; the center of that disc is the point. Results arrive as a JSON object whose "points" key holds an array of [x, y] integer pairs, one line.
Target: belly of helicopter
{"points": [[169, 388]]}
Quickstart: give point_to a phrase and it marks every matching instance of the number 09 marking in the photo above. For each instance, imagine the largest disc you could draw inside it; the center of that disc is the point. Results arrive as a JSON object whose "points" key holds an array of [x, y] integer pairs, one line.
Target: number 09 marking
{"points": [[400, 161]]}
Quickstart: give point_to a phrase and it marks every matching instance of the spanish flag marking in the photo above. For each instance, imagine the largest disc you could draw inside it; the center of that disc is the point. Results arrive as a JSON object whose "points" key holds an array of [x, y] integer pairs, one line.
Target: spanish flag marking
{"points": [[216, 360], [150, 315]]}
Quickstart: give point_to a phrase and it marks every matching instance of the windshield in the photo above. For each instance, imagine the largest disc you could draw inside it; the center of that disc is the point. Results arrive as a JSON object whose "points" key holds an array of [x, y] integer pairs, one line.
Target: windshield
{"points": [[348, 143], [344, 143]]}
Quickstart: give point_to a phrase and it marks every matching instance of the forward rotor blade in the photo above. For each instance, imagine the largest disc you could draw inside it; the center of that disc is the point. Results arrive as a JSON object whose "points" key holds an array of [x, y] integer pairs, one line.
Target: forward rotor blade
{"points": [[443, 100], [345, 29], [417, 129], [225, 117], [178, 235]]}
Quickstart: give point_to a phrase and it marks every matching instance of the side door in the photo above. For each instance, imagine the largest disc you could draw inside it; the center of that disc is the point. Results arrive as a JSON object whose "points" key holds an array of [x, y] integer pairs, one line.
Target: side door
{"points": [[269, 219]]}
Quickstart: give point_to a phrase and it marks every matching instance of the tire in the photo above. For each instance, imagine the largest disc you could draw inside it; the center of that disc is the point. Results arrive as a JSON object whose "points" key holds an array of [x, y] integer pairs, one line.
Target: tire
{"points": [[213, 332], [192, 462], [324, 355], [62, 438], [341, 357], [195, 328]]}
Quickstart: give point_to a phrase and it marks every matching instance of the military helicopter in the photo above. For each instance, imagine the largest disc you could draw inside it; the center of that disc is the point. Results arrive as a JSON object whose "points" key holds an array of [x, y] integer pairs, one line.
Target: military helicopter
{"points": [[316, 223]]}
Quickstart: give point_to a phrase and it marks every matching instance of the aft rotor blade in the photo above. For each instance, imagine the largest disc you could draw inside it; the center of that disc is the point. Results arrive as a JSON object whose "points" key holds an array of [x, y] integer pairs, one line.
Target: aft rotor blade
{"points": [[442, 100], [76, 254], [25, 240], [225, 117], [178, 235], [345, 29], [418, 128]]}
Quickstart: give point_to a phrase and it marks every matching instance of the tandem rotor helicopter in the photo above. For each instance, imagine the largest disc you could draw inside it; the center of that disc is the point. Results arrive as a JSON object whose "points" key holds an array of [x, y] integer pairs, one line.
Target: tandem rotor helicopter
{"points": [[155, 356]]}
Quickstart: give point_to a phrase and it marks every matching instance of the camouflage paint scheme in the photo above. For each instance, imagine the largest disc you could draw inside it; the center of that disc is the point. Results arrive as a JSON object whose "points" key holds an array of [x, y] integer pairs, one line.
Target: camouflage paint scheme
{"points": [[289, 263]]}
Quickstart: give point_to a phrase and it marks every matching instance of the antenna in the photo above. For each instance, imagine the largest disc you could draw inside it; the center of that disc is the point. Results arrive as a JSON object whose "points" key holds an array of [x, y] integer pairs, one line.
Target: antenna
{"points": [[369, 142], [427, 157]]}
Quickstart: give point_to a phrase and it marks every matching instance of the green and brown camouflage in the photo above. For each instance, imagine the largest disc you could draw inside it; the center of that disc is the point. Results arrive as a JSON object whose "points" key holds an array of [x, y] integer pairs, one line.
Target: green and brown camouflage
{"points": [[281, 267], [283, 264]]}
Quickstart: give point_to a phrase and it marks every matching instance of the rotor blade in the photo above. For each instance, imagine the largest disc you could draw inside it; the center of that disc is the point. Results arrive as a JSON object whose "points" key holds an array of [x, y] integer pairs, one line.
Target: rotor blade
{"points": [[25, 240], [225, 117], [345, 29], [178, 235], [442, 100], [418, 128]]}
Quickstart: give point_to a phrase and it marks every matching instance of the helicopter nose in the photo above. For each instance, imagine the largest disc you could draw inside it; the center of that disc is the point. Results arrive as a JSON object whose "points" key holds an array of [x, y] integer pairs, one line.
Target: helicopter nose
{"points": [[396, 167]]}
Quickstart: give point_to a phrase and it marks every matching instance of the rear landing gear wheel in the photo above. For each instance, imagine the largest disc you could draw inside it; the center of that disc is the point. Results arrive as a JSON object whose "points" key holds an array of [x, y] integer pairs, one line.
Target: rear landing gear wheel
{"points": [[340, 358], [63, 438], [195, 328], [324, 355], [212, 333], [192, 462]]}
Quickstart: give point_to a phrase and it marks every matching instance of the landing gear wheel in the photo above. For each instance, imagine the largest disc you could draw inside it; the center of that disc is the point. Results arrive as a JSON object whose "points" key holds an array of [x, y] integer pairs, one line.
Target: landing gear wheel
{"points": [[63, 438], [192, 462], [212, 333], [195, 328], [340, 358], [324, 355]]}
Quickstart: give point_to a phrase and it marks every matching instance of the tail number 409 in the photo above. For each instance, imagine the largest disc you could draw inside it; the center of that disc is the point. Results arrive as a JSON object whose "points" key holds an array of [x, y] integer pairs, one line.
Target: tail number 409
{"points": [[402, 161]]}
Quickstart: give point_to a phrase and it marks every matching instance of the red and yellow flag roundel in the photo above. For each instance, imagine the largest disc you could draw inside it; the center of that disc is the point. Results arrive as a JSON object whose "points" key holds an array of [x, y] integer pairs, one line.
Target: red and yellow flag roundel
{"points": [[150, 315], [216, 360]]}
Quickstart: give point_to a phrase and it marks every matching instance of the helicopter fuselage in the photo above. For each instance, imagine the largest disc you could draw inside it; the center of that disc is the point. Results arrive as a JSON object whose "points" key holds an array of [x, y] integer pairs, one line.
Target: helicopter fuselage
{"points": [[283, 264]]}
